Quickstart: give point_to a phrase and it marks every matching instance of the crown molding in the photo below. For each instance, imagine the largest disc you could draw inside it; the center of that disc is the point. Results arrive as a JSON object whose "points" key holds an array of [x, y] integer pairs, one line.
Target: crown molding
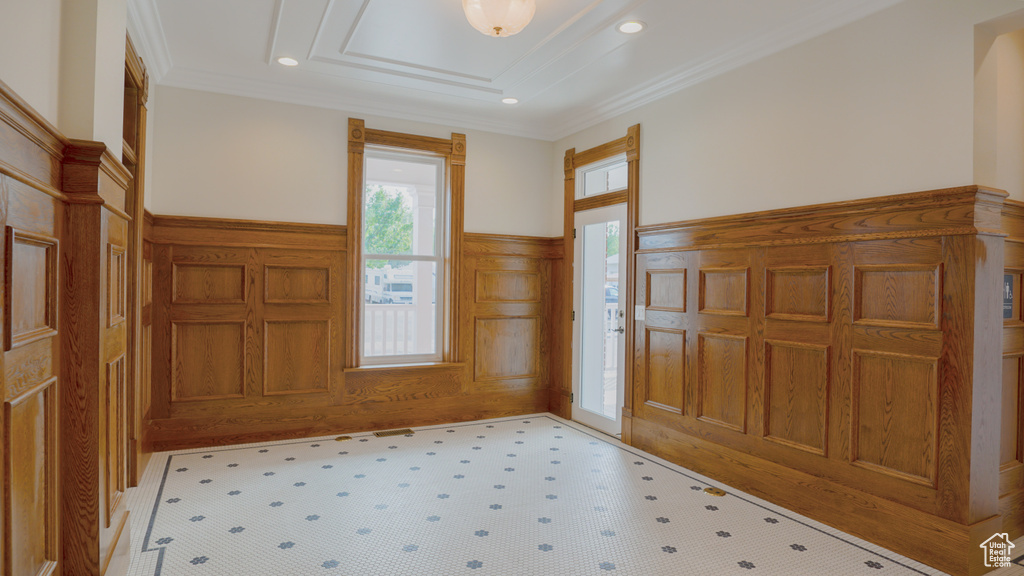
{"points": [[146, 28], [249, 88], [829, 16], [147, 33]]}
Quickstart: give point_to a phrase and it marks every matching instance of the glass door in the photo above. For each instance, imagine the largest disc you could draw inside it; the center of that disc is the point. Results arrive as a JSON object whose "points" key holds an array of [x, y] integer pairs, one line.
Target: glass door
{"points": [[599, 324]]}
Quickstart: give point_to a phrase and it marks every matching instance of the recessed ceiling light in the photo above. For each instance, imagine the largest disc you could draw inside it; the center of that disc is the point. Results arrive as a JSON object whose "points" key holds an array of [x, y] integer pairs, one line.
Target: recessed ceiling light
{"points": [[286, 61], [632, 27], [510, 100]]}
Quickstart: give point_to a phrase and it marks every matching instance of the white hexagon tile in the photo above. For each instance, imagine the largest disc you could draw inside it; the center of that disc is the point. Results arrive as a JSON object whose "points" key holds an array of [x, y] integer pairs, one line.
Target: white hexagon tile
{"points": [[531, 496]]}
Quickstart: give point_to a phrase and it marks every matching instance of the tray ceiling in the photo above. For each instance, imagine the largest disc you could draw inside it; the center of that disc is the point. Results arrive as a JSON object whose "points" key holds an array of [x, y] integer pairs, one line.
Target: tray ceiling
{"points": [[421, 60]]}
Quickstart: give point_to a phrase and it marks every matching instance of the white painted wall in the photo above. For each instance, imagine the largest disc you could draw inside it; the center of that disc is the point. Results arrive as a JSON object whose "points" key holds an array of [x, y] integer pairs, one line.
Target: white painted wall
{"points": [[152, 161], [91, 88], [231, 157], [1003, 160], [884, 105], [30, 52], [66, 59], [1010, 162]]}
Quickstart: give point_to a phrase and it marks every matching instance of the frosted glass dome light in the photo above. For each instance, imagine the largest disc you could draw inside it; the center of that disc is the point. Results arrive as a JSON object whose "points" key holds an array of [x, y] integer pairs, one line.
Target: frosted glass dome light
{"points": [[499, 18]]}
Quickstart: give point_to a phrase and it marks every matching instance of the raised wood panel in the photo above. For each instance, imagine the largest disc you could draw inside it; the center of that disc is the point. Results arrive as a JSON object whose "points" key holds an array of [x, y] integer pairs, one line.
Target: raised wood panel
{"points": [[1010, 436], [900, 295], [724, 291], [30, 287], [665, 359], [208, 283], [506, 348], [147, 282], [296, 285], [116, 288], [114, 440], [507, 286], [895, 415], [208, 360], [666, 290], [29, 487], [797, 390], [798, 293], [146, 361], [722, 380], [296, 356]]}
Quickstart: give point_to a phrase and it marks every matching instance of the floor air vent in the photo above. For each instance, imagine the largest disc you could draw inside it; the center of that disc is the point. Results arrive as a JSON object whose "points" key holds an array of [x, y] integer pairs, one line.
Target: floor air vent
{"points": [[384, 433]]}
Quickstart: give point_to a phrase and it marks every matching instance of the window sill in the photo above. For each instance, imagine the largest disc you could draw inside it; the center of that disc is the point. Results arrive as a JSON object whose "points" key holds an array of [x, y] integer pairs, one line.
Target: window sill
{"points": [[408, 367]]}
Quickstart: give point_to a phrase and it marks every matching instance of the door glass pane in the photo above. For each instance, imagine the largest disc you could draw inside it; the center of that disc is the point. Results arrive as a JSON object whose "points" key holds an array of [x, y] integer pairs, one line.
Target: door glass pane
{"points": [[600, 318], [399, 308]]}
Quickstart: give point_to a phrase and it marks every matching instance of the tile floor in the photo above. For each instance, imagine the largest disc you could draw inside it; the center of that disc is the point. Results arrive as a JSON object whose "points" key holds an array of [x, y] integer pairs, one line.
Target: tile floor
{"points": [[532, 495]]}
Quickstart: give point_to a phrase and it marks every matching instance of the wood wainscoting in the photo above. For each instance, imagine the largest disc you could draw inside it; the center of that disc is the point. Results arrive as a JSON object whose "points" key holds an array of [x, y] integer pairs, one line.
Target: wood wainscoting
{"points": [[31, 151], [249, 340], [839, 360], [63, 387]]}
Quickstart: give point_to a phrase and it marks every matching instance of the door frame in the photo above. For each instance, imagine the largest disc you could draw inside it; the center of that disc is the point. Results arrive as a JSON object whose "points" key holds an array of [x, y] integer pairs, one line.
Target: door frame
{"points": [[630, 146]]}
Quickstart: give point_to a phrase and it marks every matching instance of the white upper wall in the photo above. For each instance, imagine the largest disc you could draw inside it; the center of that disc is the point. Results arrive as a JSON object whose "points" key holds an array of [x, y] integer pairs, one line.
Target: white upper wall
{"points": [[882, 106], [66, 59], [232, 157], [30, 52]]}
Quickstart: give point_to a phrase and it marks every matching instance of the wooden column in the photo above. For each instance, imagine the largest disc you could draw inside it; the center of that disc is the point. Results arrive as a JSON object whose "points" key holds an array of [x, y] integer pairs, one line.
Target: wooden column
{"points": [[93, 425]]}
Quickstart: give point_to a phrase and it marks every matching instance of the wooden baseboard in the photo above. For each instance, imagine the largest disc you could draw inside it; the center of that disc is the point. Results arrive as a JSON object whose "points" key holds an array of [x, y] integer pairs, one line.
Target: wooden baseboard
{"points": [[907, 531], [560, 404], [180, 433]]}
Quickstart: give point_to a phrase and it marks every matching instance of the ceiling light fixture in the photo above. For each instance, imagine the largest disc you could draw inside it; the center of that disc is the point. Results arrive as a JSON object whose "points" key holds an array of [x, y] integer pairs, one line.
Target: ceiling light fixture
{"points": [[510, 100], [286, 61], [632, 27], [499, 18]]}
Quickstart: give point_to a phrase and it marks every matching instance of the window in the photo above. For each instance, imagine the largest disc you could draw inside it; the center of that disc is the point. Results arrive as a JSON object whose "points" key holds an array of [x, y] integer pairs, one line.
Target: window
{"points": [[610, 175], [403, 232], [405, 199]]}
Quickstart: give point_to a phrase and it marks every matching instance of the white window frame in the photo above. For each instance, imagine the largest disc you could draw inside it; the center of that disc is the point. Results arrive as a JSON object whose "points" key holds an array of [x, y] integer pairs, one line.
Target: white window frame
{"points": [[439, 257]]}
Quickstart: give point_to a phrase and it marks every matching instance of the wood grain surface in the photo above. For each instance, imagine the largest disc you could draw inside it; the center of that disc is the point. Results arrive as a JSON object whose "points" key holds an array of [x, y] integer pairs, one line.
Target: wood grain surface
{"points": [[249, 340], [853, 342]]}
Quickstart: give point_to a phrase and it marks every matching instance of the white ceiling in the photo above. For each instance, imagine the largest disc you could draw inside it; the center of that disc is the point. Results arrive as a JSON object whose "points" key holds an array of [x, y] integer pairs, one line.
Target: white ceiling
{"points": [[421, 60]]}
